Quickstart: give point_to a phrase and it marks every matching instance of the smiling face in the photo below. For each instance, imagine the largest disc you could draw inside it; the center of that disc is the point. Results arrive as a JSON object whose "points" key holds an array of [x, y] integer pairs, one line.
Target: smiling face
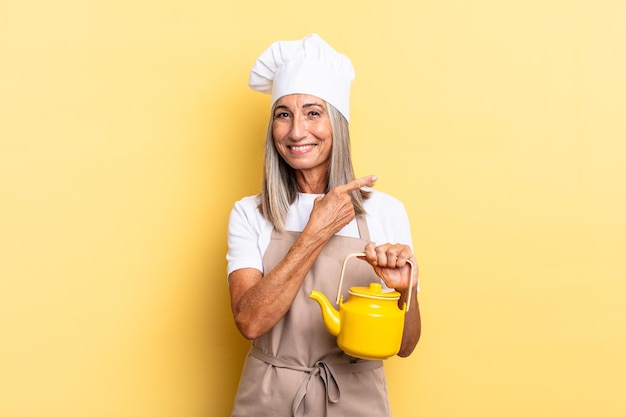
{"points": [[303, 137]]}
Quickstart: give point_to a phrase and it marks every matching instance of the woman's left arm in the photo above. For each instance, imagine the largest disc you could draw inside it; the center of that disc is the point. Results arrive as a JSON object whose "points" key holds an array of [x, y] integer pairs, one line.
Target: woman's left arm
{"points": [[391, 263], [412, 322]]}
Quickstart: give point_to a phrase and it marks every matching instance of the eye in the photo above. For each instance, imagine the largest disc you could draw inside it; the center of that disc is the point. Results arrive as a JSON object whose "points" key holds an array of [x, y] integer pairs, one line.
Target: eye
{"points": [[281, 115]]}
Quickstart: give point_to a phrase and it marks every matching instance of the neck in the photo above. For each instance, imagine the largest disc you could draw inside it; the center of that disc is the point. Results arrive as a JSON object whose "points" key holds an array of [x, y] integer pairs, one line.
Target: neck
{"points": [[311, 184]]}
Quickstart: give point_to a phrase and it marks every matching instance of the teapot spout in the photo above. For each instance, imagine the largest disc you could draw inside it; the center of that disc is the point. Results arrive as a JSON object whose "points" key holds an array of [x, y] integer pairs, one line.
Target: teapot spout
{"points": [[329, 314]]}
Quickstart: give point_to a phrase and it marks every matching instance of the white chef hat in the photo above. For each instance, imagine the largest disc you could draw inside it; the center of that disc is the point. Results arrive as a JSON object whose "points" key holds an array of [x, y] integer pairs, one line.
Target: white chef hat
{"points": [[307, 66]]}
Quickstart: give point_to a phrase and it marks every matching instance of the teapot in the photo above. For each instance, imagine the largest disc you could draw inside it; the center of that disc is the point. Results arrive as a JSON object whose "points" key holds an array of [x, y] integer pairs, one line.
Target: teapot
{"points": [[370, 324]]}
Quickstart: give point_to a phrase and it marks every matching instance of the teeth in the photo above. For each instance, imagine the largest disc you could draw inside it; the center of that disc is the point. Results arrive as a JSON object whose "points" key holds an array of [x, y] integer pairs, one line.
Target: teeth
{"points": [[301, 148]]}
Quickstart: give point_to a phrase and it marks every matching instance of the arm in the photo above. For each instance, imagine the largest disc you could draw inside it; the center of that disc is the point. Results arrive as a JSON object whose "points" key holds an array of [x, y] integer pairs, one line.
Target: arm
{"points": [[259, 302], [412, 324], [390, 262]]}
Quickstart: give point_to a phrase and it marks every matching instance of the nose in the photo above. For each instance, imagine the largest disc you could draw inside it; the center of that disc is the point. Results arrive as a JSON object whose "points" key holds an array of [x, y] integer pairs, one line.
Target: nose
{"points": [[298, 129]]}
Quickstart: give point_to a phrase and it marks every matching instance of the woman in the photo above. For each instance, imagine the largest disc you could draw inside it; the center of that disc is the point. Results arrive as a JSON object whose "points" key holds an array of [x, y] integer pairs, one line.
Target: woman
{"points": [[294, 236]]}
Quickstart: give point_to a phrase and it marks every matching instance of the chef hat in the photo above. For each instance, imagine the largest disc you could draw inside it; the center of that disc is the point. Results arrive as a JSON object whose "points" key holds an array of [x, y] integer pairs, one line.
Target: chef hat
{"points": [[307, 66]]}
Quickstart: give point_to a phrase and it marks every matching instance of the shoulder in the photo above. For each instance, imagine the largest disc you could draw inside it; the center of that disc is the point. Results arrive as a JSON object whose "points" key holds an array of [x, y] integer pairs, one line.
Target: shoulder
{"points": [[379, 200], [245, 214], [248, 235], [247, 209], [387, 219], [247, 204]]}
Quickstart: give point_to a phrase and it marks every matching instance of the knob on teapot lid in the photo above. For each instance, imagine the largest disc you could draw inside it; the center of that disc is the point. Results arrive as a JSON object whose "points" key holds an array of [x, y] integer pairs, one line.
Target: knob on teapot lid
{"points": [[375, 290]]}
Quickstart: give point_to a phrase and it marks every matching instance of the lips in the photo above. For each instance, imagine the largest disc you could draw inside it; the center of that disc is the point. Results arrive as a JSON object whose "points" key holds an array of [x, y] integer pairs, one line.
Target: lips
{"points": [[301, 148]]}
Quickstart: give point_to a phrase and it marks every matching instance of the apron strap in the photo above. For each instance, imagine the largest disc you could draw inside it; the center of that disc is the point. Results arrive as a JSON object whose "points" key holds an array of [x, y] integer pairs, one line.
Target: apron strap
{"points": [[302, 405], [361, 223]]}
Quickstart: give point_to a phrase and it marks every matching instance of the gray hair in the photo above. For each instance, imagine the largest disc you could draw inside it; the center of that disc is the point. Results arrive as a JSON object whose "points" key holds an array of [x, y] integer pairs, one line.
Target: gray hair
{"points": [[279, 189]]}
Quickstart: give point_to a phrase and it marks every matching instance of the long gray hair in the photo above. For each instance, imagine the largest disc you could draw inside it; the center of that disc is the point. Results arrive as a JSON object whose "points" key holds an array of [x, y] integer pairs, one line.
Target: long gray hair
{"points": [[279, 180]]}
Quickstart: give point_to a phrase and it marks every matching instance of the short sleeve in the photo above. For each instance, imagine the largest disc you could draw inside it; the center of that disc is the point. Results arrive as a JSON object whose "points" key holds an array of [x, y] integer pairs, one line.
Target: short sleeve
{"points": [[244, 233]]}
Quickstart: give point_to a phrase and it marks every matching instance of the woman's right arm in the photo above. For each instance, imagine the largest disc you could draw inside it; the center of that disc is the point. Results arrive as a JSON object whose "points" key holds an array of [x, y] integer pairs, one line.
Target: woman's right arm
{"points": [[259, 301]]}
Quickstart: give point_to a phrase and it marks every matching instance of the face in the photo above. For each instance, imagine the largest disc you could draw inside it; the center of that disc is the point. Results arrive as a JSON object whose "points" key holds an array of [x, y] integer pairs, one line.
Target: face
{"points": [[302, 133]]}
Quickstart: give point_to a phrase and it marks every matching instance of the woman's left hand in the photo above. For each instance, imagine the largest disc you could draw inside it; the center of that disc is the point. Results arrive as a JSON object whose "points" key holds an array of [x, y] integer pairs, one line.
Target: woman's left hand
{"points": [[390, 262]]}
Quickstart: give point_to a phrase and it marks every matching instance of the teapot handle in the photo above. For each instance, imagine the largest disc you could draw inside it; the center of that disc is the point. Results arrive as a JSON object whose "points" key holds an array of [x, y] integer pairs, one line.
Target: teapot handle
{"points": [[354, 255]]}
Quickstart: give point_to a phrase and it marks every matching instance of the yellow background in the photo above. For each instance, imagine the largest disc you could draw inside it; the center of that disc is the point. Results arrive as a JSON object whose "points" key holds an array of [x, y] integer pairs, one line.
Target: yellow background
{"points": [[127, 131]]}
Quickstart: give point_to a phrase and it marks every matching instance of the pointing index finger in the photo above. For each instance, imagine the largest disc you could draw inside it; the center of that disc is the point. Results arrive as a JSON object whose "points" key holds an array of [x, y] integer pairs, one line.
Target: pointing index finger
{"points": [[353, 185]]}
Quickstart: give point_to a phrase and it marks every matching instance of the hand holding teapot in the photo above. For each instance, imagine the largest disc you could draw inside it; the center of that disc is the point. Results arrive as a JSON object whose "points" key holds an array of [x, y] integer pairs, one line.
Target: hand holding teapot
{"points": [[391, 264], [370, 324]]}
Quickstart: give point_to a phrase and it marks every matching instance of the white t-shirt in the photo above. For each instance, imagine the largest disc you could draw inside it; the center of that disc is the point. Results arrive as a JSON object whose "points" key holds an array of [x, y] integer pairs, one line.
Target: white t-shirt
{"points": [[249, 233]]}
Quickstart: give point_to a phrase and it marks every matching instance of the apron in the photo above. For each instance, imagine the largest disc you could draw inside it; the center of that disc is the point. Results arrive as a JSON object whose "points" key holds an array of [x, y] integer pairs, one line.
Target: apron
{"points": [[296, 369]]}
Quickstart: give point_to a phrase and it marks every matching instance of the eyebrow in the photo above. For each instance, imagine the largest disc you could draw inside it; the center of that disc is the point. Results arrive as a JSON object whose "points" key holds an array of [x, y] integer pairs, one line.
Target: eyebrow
{"points": [[305, 106]]}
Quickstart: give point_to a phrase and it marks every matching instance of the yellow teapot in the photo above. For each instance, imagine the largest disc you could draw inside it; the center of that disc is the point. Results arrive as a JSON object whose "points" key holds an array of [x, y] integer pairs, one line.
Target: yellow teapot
{"points": [[370, 324]]}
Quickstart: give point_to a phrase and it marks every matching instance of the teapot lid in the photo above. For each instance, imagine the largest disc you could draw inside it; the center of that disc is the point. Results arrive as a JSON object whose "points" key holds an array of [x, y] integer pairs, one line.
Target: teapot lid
{"points": [[375, 290]]}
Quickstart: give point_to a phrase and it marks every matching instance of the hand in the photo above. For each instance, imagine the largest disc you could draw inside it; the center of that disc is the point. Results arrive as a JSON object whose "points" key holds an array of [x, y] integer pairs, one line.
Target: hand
{"points": [[335, 210], [390, 262]]}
